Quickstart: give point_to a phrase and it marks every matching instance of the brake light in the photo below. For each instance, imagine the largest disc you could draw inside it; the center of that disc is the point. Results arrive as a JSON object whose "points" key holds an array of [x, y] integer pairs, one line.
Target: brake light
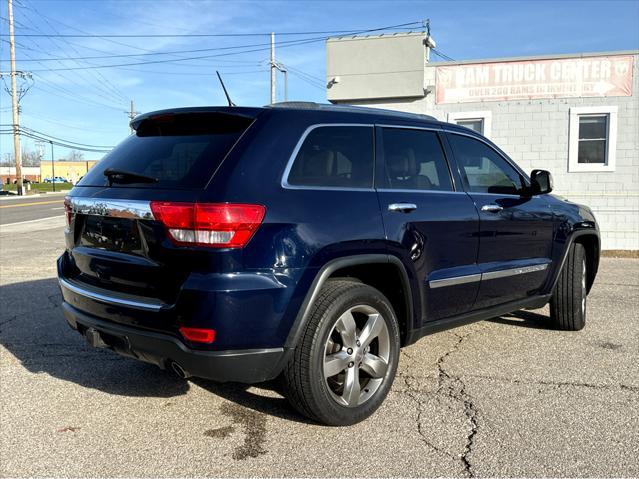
{"points": [[215, 225], [68, 212], [198, 335]]}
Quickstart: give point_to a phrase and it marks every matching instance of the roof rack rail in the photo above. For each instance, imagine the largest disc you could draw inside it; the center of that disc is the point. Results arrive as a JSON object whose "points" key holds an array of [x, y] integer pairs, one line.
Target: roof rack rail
{"points": [[310, 105]]}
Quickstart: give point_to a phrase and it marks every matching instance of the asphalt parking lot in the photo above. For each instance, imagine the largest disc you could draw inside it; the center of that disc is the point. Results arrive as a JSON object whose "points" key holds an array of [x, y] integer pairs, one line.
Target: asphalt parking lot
{"points": [[505, 397]]}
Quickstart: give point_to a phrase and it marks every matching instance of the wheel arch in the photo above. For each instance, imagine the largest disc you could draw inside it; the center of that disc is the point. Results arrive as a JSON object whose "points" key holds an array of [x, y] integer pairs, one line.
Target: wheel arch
{"points": [[590, 240], [361, 267]]}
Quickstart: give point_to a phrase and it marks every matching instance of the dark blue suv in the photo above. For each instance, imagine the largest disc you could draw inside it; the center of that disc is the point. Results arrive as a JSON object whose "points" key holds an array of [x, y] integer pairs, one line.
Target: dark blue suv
{"points": [[310, 242]]}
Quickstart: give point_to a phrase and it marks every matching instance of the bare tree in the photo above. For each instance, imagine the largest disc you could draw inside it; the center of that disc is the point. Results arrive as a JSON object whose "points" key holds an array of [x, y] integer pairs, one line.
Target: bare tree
{"points": [[75, 155], [7, 160], [29, 158]]}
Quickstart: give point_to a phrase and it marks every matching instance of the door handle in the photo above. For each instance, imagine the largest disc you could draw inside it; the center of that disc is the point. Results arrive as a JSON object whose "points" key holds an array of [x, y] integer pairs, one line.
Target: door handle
{"points": [[402, 207], [492, 208]]}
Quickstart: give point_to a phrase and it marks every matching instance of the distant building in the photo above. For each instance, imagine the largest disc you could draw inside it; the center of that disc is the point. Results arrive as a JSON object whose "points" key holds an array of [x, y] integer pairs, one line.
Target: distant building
{"points": [[574, 115], [71, 170], [8, 173]]}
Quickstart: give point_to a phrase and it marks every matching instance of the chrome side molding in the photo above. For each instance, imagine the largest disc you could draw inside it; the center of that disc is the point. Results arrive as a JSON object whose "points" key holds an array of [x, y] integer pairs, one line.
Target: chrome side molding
{"points": [[472, 278], [504, 273], [132, 209], [440, 283]]}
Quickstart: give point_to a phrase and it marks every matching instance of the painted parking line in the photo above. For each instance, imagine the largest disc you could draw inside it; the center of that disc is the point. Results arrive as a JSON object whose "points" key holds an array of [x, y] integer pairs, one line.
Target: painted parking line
{"points": [[32, 204], [39, 220]]}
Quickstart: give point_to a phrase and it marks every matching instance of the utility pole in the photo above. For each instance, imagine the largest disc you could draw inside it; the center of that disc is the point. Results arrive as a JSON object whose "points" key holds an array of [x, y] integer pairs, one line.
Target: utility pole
{"points": [[284, 72], [14, 103], [132, 114], [273, 67]]}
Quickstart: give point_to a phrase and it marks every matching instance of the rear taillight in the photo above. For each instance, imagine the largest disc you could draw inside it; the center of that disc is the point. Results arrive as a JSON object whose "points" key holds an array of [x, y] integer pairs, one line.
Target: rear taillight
{"points": [[215, 225], [68, 212], [198, 335]]}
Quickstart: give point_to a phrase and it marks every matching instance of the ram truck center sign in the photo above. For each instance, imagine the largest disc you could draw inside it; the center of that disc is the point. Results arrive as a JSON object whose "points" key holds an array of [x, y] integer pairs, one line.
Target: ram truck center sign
{"points": [[597, 76]]}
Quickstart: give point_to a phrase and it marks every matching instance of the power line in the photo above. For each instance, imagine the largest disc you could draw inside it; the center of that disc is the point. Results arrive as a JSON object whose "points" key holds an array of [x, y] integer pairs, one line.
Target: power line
{"points": [[36, 132], [200, 57], [206, 35], [306, 80], [129, 55], [318, 79], [312, 80], [67, 125], [29, 131], [442, 55], [85, 33], [59, 59], [64, 144], [51, 89], [202, 74], [284, 44], [109, 96], [109, 88]]}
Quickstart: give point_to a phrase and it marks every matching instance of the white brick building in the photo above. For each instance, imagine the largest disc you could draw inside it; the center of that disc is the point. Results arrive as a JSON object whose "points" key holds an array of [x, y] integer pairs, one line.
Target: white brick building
{"points": [[574, 115]]}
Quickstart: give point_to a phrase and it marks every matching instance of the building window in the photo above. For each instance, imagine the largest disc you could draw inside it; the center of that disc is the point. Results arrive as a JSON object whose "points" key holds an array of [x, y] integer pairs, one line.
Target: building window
{"points": [[476, 125], [479, 121], [593, 139]]}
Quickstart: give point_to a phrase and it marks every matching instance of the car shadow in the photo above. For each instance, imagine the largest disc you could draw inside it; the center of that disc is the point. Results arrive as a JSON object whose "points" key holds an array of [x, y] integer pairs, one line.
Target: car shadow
{"points": [[34, 331], [266, 398], [523, 319]]}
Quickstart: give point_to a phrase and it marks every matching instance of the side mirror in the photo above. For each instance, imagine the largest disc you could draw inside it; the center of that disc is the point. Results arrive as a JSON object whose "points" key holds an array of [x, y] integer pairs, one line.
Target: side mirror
{"points": [[541, 182]]}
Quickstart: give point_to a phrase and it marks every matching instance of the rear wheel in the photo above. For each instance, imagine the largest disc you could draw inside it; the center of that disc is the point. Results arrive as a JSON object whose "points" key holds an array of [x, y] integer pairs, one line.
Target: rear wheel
{"points": [[346, 360], [568, 302]]}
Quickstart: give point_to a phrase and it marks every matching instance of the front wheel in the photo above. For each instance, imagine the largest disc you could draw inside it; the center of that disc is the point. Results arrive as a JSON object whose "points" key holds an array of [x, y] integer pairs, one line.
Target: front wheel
{"points": [[568, 302], [346, 360]]}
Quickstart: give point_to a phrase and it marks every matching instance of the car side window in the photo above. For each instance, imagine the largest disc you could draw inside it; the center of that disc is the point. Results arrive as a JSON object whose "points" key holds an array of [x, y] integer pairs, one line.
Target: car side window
{"points": [[414, 160], [335, 156], [483, 169]]}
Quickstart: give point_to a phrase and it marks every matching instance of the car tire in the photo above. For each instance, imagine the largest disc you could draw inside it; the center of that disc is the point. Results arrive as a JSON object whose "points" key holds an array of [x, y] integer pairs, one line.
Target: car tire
{"points": [[568, 302], [352, 331]]}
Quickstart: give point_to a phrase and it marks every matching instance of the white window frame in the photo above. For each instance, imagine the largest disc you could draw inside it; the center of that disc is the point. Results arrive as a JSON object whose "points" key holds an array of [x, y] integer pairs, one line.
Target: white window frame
{"points": [[573, 139], [485, 116]]}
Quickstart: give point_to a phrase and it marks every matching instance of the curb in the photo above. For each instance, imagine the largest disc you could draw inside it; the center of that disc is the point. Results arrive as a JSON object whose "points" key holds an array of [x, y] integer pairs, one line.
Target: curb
{"points": [[36, 195]]}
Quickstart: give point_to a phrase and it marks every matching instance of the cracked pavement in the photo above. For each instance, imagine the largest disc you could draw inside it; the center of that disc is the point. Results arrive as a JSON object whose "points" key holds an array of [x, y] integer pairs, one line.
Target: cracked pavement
{"points": [[505, 397]]}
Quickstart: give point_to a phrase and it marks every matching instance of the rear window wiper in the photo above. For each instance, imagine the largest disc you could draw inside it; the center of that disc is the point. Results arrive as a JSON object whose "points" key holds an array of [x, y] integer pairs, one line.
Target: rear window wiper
{"points": [[122, 176]]}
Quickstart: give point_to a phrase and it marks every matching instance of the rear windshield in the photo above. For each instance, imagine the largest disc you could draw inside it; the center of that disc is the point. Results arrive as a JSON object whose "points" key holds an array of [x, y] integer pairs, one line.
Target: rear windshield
{"points": [[180, 151]]}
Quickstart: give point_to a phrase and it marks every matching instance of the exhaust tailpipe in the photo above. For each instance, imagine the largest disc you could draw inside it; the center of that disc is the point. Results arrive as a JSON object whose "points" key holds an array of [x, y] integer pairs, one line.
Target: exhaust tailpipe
{"points": [[177, 369]]}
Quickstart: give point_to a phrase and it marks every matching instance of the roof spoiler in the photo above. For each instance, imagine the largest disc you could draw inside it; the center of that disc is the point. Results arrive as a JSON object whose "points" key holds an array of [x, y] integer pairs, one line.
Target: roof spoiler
{"points": [[247, 113]]}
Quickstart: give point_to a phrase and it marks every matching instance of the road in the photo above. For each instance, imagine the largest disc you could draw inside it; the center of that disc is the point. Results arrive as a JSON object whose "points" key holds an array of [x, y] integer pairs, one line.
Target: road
{"points": [[506, 397], [15, 210]]}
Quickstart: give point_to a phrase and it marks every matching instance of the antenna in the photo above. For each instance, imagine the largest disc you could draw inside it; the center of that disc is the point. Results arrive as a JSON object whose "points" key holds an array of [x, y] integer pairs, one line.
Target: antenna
{"points": [[228, 98]]}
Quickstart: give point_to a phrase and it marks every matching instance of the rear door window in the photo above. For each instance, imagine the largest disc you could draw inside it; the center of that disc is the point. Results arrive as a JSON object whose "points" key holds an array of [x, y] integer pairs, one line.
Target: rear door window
{"points": [[180, 151], [414, 160], [335, 156]]}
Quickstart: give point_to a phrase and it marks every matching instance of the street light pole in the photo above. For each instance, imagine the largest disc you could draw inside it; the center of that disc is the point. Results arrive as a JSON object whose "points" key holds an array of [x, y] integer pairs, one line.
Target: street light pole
{"points": [[52, 167]]}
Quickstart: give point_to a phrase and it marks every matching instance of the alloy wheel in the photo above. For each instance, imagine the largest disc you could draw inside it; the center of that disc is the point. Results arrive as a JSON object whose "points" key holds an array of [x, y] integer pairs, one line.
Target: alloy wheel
{"points": [[356, 355]]}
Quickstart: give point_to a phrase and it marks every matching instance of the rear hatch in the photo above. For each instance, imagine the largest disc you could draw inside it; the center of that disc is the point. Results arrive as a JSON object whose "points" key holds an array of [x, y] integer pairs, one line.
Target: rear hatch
{"points": [[115, 240]]}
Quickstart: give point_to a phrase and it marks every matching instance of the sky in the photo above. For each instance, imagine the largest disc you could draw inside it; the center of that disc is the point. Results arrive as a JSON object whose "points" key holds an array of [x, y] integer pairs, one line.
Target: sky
{"points": [[70, 100]]}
